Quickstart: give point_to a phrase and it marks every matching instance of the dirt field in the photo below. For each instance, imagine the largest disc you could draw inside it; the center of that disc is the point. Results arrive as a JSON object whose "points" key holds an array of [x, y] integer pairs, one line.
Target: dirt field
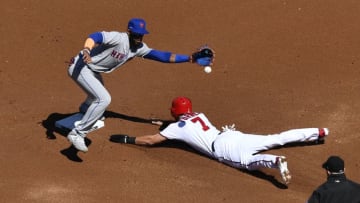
{"points": [[280, 64]]}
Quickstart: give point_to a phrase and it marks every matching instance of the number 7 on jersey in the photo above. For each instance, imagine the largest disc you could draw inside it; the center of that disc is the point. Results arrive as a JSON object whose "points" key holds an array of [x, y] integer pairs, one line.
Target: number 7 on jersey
{"points": [[198, 119]]}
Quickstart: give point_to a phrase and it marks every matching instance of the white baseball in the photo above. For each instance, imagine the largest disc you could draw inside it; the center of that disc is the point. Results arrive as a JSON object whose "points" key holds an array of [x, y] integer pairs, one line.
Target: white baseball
{"points": [[207, 69]]}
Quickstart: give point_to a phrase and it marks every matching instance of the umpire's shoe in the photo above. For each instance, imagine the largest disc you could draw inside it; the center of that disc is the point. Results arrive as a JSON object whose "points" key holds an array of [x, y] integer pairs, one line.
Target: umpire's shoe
{"points": [[77, 140]]}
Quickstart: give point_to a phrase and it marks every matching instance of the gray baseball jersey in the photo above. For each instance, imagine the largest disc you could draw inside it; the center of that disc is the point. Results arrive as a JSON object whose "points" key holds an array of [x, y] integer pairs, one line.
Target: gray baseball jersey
{"points": [[114, 52]]}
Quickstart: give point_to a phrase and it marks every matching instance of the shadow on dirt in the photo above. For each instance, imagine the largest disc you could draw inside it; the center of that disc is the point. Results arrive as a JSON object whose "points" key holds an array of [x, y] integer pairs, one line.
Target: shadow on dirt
{"points": [[51, 129], [270, 178], [71, 152], [259, 174], [183, 146]]}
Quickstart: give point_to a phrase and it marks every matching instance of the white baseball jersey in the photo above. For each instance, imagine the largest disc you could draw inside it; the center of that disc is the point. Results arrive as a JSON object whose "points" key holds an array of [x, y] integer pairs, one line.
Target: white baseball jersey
{"points": [[234, 148], [194, 129], [114, 52]]}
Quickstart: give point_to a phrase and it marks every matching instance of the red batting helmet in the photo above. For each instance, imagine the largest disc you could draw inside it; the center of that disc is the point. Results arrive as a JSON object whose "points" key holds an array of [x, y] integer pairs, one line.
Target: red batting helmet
{"points": [[180, 105]]}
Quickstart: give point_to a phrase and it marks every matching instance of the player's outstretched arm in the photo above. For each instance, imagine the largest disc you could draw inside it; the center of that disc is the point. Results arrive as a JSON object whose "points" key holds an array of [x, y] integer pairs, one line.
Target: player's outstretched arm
{"points": [[204, 56], [150, 139], [147, 140], [167, 57]]}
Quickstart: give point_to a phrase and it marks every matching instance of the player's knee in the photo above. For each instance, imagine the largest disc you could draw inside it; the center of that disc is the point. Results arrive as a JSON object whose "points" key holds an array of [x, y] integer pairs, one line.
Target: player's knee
{"points": [[106, 101]]}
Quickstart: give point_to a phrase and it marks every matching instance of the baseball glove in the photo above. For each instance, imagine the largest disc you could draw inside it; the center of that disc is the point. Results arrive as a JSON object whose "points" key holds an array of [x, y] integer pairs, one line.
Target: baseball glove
{"points": [[204, 56]]}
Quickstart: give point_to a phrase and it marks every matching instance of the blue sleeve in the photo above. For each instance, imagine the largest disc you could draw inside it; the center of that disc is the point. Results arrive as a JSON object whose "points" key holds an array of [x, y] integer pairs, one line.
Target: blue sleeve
{"points": [[161, 56], [179, 58], [97, 37], [164, 56]]}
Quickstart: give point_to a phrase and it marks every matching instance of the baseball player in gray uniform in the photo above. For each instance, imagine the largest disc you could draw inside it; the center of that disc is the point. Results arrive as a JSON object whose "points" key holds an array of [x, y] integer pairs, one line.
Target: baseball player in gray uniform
{"points": [[103, 53], [229, 146]]}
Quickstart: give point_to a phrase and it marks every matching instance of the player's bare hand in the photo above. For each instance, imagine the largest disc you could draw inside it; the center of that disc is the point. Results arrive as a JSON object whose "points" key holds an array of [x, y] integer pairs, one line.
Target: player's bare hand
{"points": [[228, 128], [86, 56]]}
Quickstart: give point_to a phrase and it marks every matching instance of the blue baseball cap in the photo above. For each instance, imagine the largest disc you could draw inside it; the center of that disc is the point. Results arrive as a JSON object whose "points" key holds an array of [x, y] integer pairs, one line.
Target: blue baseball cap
{"points": [[138, 26]]}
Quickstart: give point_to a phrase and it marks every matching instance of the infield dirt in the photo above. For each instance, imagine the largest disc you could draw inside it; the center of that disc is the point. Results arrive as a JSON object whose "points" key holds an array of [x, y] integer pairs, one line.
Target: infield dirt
{"points": [[279, 65]]}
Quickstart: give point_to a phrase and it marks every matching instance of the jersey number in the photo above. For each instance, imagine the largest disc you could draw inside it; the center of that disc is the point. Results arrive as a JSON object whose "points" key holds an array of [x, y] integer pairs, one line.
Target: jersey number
{"points": [[198, 119]]}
